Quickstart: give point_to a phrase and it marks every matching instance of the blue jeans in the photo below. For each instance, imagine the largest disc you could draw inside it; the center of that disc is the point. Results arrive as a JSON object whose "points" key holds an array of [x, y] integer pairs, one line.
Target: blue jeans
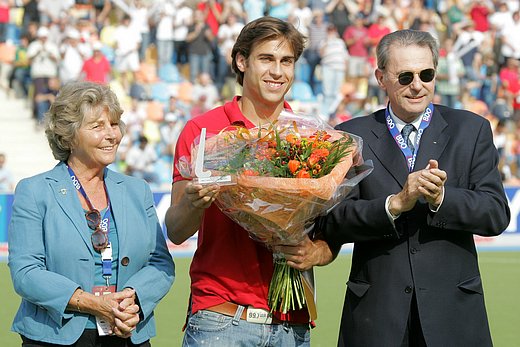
{"points": [[211, 329], [199, 64]]}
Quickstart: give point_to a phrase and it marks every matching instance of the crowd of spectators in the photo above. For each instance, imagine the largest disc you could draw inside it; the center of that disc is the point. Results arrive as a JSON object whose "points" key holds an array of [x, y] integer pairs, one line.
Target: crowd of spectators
{"points": [[169, 60]]}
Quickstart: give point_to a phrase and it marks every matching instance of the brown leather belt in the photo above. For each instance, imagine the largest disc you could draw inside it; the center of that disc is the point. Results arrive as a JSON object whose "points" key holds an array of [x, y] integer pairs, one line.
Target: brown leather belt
{"points": [[229, 309]]}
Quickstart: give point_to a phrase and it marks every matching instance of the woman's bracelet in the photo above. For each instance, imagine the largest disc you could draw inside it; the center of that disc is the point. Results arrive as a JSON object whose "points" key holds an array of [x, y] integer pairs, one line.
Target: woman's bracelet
{"points": [[77, 300]]}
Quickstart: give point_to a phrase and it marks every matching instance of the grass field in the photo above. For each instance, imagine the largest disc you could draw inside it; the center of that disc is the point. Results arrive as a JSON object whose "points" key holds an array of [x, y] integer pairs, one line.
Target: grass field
{"points": [[500, 272]]}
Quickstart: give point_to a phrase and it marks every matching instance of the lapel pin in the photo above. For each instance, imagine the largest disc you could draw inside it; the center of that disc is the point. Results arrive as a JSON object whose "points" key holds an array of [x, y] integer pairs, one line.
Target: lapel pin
{"points": [[434, 142], [63, 191]]}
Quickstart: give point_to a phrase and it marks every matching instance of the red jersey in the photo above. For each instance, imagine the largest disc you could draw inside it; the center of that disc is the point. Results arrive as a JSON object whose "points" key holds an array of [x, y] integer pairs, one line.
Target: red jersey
{"points": [[227, 265]]}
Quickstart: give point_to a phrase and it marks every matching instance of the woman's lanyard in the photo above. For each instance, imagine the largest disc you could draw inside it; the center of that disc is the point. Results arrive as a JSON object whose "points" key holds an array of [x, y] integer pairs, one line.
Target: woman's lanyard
{"points": [[106, 253], [401, 142]]}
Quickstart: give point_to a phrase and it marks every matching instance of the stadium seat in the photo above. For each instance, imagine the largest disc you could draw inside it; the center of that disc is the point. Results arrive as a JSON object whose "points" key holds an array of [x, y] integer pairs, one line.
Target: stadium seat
{"points": [[302, 91], [302, 71], [169, 73], [160, 91]]}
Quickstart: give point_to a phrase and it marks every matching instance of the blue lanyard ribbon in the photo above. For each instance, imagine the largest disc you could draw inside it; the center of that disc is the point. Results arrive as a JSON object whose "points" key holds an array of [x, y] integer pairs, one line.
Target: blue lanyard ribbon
{"points": [[106, 255], [401, 142]]}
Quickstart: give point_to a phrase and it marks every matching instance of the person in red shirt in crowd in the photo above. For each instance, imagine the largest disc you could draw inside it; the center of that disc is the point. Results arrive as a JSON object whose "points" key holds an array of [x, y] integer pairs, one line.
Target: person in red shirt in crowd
{"points": [[212, 10], [230, 273], [479, 14], [377, 30], [510, 78], [96, 68]]}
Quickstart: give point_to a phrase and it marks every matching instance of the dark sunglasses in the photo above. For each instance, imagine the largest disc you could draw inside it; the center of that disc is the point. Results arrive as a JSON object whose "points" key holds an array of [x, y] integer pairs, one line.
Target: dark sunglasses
{"points": [[405, 78], [99, 238]]}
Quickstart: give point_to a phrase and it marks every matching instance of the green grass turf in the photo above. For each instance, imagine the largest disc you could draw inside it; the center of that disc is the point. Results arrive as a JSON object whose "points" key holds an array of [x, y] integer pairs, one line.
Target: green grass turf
{"points": [[500, 271]]}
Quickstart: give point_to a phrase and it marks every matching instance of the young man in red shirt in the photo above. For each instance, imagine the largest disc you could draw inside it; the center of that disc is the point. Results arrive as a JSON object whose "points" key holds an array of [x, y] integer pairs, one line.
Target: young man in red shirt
{"points": [[230, 273]]}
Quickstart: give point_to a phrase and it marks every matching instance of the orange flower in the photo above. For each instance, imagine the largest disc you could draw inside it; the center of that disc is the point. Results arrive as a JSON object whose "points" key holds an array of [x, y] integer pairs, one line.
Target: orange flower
{"points": [[292, 139], [293, 165], [303, 174], [249, 172]]}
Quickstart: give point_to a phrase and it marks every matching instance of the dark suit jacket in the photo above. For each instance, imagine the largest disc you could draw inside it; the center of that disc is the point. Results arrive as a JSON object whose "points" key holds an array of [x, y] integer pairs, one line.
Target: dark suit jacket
{"points": [[431, 254]]}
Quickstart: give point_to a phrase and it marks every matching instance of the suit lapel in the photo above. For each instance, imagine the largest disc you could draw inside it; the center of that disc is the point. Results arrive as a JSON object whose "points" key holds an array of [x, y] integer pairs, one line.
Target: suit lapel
{"points": [[66, 196], [386, 150]]}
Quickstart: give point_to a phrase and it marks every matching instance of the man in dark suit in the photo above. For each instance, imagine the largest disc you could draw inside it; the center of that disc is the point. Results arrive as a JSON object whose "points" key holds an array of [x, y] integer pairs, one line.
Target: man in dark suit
{"points": [[415, 278]]}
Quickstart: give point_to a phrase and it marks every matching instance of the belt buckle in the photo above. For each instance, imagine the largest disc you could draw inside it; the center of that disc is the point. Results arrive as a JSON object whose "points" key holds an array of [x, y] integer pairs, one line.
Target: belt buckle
{"points": [[258, 315]]}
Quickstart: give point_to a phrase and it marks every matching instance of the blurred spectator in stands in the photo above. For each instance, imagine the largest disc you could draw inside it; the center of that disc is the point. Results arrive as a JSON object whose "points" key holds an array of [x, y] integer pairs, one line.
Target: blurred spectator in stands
{"points": [[164, 33], [449, 75], [139, 14], [213, 17], [182, 20], [51, 10], [141, 159], [392, 11], [30, 12], [134, 118], [199, 106], [334, 59], [199, 39], [58, 30], [96, 68], [466, 46], [6, 177], [102, 10], [44, 98], [232, 7], [278, 9], [376, 31], [510, 79], [126, 54], [454, 17], [5, 6], [204, 87], [254, 9], [301, 17], [511, 38], [170, 129], [20, 78], [227, 33], [72, 57], [501, 18], [211, 11], [356, 38], [479, 14], [45, 58], [341, 12], [317, 35]]}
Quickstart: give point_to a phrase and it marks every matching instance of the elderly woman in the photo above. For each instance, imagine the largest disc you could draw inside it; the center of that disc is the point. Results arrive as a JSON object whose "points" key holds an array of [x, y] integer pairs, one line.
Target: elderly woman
{"points": [[86, 250]]}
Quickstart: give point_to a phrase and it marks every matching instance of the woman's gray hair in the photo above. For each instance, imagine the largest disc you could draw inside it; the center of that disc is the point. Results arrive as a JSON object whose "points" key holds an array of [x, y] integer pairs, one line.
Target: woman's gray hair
{"points": [[403, 39], [74, 101]]}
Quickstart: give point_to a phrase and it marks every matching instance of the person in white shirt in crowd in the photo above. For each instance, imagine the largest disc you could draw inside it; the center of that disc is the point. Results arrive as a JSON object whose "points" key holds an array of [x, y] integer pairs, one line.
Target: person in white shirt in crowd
{"points": [[134, 118], [139, 13], [164, 33], [44, 57], [204, 86], [226, 36], [467, 44], [141, 159], [182, 20], [127, 40], [334, 58], [50, 10], [511, 38], [6, 177], [72, 57]]}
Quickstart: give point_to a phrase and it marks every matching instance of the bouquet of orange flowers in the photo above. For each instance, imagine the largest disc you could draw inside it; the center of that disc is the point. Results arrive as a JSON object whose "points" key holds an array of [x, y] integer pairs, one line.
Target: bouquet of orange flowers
{"points": [[276, 180]]}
